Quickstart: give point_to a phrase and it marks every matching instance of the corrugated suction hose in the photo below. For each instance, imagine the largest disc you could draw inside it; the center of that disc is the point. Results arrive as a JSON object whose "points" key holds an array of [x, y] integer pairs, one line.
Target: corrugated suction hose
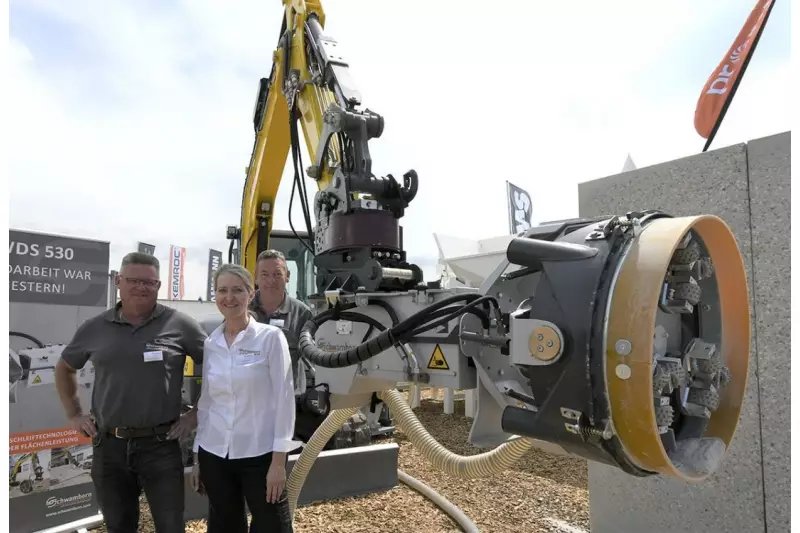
{"points": [[464, 467], [321, 436], [460, 466]]}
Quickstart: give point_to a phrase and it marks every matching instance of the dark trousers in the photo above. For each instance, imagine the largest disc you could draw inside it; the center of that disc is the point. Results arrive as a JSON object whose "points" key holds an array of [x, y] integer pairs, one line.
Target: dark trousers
{"points": [[229, 483], [122, 468]]}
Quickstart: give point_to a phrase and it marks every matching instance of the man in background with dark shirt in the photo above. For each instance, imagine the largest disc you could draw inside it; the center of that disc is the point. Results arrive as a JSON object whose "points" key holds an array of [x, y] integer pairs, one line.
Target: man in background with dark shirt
{"points": [[138, 350], [273, 305]]}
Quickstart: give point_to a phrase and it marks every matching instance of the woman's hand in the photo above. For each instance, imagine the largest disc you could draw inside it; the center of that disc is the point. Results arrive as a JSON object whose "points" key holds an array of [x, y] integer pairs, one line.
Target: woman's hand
{"points": [[197, 485], [276, 481]]}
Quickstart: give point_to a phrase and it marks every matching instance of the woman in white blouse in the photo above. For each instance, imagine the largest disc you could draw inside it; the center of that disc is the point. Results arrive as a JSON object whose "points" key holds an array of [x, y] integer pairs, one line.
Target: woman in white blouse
{"points": [[245, 415]]}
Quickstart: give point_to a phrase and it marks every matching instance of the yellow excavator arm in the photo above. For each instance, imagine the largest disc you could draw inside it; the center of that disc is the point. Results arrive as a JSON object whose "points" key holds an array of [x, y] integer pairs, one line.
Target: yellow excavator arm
{"points": [[285, 91], [356, 213]]}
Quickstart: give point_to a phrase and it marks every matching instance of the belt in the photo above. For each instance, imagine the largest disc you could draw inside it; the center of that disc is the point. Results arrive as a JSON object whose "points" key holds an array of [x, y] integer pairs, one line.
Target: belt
{"points": [[137, 433]]}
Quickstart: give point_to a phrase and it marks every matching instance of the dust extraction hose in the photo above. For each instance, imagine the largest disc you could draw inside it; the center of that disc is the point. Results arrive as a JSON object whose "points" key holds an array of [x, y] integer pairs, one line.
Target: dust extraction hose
{"points": [[466, 525], [460, 466], [329, 426], [464, 467], [321, 436]]}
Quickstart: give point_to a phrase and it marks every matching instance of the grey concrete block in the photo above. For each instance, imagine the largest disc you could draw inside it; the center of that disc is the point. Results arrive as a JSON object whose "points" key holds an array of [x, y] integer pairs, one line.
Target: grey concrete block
{"points": [[770, 199], [335, 474], [711, 183], [703, 183]]}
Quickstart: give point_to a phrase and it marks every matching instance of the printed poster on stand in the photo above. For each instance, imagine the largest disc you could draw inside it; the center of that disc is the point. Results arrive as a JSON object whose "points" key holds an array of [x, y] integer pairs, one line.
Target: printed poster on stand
{"points": [[55, 284]]}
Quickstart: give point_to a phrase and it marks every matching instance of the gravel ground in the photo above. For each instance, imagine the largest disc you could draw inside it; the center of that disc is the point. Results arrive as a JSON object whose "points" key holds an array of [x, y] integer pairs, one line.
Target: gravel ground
{"points": [[541, 493]]}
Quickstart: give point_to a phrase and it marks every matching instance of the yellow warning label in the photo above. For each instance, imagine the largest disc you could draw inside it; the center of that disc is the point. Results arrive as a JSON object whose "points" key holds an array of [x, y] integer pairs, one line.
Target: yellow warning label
{"points": [[437, 360], [37, 379], [188, 367]]}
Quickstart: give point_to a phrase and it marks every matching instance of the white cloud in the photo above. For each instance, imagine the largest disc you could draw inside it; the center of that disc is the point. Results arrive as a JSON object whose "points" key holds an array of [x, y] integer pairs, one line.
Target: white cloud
{"points": [[541, 94]]}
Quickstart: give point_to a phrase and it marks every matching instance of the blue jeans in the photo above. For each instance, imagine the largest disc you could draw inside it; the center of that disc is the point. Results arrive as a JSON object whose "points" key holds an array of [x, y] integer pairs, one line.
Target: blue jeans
{"points": [[121, 468]]}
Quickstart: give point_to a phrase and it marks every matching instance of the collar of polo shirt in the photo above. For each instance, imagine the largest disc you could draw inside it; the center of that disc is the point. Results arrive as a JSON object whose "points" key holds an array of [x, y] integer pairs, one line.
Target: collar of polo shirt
{"points": [[115, 314], [284, 308]]}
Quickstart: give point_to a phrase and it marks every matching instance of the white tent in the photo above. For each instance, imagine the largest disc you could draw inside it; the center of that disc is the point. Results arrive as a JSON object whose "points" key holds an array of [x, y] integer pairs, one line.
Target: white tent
{"points": [[464, 262]]}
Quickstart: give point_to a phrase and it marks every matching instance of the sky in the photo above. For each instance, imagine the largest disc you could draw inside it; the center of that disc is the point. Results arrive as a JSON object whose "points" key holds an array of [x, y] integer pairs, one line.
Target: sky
{"points": [[134, 106]]}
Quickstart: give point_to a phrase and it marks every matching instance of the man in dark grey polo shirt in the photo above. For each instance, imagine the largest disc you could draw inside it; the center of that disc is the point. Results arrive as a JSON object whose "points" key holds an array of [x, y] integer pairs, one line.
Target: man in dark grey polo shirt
{"points": [[273, 305], [138, 350]]}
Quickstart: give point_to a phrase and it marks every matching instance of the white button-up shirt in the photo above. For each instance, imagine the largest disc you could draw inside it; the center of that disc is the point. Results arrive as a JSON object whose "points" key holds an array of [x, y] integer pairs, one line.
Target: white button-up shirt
{"points": [[246, 406]]}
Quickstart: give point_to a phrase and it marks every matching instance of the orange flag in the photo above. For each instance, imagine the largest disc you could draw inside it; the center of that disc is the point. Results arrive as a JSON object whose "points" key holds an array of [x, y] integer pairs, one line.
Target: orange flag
{"points": [[721, 85]]}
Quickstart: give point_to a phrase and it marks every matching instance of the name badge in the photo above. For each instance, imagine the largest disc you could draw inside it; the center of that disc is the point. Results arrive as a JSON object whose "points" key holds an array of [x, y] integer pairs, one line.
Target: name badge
{"points": [[156, 355], [247, 357], [277, 322]]}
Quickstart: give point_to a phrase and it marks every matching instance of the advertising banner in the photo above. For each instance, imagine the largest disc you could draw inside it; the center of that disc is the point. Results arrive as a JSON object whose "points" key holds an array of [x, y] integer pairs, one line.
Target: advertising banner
{"points": [[721, 85], [56, 270], [49, 463], [177, 261], [519, 208], [214, 261], [149, 249]]}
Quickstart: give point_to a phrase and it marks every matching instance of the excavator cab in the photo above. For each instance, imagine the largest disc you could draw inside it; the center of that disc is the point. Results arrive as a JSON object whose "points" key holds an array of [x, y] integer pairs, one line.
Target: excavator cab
{"points": [[299, 261]]}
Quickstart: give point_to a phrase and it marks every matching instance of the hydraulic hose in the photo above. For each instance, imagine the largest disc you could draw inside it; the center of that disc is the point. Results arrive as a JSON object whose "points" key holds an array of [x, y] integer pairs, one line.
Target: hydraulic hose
{"points": [[31, 338], [467, 525], [398, 333], [332, 423], [358, 354], [464, 467]]}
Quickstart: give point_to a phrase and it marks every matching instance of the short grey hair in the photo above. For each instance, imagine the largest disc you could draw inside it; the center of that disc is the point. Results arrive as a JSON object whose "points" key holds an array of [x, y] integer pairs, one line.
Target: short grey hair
{"points": [[236, 270], [139, 258], [271, 254], [274, 254]]}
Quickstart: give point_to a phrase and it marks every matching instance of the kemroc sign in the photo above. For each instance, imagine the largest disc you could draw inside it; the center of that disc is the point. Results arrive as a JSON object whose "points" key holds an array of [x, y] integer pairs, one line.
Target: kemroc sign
{"points": [[177, 256]]}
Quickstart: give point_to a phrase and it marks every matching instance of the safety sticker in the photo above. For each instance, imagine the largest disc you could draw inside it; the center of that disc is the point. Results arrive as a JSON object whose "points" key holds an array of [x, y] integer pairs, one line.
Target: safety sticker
{"points": [[437, 360], [38, 378], [188, 367]]}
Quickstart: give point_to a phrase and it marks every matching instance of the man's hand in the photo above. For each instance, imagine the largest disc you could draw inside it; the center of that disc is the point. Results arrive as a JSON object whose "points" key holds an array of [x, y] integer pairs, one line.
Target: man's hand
{"points": [[83, 424], [184, 426]]}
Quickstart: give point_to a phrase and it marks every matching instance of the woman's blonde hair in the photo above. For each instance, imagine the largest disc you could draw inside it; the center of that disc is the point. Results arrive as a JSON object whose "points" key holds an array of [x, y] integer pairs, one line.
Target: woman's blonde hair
{"points": [[236, 270]]}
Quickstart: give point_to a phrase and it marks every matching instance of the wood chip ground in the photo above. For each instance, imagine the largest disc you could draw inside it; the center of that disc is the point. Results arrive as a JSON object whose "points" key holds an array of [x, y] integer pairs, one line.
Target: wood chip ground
{"points": [[541, 493]]}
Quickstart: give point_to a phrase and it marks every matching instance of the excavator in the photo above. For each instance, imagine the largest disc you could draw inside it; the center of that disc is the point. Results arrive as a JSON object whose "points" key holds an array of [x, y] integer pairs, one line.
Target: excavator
{"points": [[34, 479], [622, 339]]}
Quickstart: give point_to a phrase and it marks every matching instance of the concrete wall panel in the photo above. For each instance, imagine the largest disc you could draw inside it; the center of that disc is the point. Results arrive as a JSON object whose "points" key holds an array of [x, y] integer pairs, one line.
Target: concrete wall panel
{"points": [[733, 500], [770, 199]]}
